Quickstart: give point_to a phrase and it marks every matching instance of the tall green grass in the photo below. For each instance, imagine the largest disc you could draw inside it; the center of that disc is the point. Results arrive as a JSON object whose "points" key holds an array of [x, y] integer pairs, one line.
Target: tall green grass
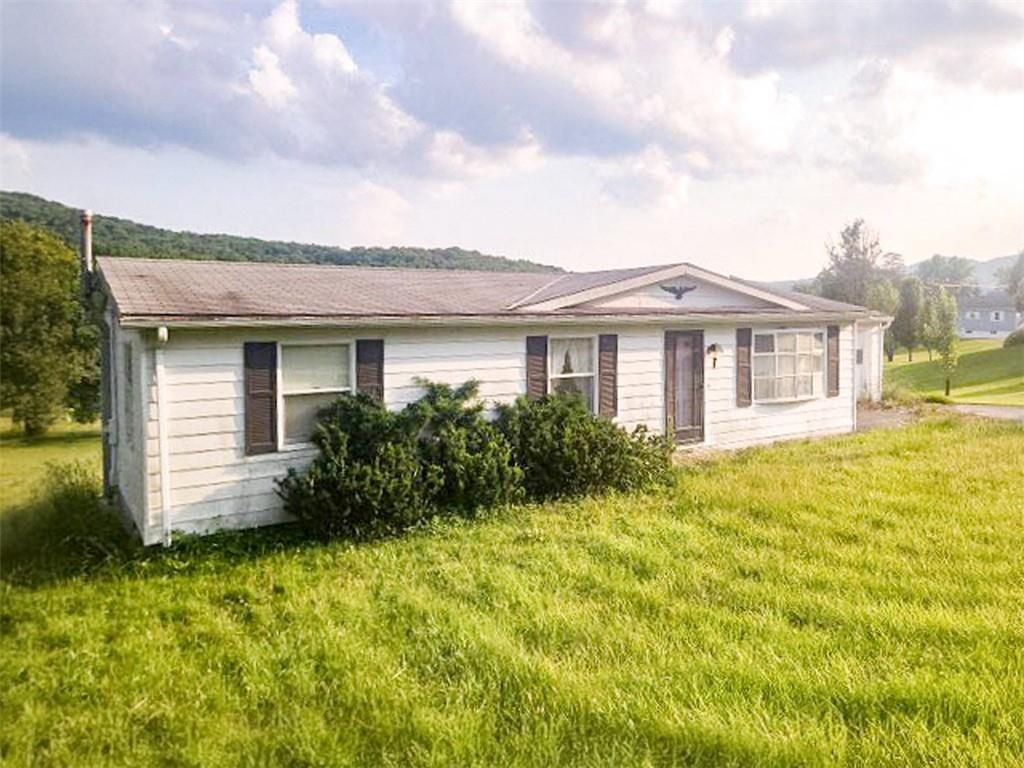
{"points": [[855, 601]]}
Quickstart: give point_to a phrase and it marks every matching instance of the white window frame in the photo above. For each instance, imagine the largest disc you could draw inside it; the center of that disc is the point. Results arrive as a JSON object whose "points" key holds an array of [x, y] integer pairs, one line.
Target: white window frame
{"points": [[973, 314], [592, 338], [282, 444], [997, 316], [819, 386]]}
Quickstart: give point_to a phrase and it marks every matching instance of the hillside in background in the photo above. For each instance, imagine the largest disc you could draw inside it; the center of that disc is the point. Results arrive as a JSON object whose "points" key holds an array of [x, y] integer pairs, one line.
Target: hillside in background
{"points": [[986, 274], [121, 237]]}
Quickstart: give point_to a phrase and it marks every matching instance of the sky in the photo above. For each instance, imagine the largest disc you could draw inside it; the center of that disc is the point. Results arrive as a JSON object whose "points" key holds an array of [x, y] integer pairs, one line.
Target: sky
{"points": [[738, 135]]}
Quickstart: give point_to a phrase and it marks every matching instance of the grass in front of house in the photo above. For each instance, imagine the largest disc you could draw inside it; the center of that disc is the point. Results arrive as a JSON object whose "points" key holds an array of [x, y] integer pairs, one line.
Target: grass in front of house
{"points": [[855, 600], [986, 373]]}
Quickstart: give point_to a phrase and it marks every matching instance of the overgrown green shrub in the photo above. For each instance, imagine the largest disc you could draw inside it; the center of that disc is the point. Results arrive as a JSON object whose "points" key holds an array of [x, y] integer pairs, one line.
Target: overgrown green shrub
{"points": [[1015, 339], [380, 472], [367, 478], [565, 450], [472, 459], [66, 529]]}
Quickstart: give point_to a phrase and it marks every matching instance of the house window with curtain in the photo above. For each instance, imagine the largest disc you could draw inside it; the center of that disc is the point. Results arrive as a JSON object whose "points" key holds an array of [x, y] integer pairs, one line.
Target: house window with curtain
{"points": [[571, 368], [788, 365], [312, 377]]}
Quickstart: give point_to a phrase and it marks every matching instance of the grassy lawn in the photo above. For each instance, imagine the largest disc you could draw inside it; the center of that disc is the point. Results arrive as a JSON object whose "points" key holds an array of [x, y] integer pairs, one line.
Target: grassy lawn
{"points": [[987, 373], [23, 462], [857, 600]]}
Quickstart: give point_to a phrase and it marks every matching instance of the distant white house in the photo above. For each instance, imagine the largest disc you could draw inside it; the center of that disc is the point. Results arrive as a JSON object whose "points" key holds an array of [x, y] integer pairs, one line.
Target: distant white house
{"points": [[215, 370], [992, 315]]}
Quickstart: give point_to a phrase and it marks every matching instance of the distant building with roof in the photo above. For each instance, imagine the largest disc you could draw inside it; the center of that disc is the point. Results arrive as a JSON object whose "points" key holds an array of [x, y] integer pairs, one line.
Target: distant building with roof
{"points": [[992, 315]]}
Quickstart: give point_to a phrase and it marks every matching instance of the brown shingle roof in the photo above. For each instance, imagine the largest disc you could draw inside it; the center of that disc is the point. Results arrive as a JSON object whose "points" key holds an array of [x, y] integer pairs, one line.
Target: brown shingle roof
{"points": [[169, 287], [164, 289]]}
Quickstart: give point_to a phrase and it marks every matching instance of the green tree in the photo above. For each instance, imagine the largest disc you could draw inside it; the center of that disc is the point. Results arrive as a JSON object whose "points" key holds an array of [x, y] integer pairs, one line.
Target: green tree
{"points": [[1012, 279], [883, 297], [906, 326], [46, 345], [855, 265], [954, 273], [929, 320], [946, 338]]}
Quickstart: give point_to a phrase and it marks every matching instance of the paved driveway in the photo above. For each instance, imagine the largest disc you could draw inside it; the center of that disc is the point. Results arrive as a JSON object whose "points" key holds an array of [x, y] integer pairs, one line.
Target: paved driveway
{"points": [[1006, 412]]}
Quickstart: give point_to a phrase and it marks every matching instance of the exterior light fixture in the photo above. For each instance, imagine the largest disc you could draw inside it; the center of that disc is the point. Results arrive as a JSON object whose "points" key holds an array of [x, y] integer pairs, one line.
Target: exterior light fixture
{"points": [[713, 351]]}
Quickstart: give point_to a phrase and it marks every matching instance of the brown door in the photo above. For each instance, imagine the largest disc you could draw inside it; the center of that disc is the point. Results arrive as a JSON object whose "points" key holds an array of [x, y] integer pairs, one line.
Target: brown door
{"points": [[684, 385]]}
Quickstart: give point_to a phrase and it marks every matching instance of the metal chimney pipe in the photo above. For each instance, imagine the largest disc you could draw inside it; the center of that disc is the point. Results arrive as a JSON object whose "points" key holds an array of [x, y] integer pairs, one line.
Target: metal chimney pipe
{"points": [[85, 257]]}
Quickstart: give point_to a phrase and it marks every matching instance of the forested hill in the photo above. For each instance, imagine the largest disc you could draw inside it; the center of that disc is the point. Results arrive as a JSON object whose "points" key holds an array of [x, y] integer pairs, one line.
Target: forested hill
{"points": [[120, 237]]}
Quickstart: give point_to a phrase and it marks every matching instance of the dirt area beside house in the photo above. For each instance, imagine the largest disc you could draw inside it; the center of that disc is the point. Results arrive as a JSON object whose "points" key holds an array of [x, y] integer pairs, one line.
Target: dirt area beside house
{"points": [[871, 417]]}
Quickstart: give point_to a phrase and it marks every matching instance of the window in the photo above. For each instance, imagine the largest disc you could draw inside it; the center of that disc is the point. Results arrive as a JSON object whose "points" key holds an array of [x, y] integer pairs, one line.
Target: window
{"points": [[571, 368], [312, 376], [788, 365], [997, 315], [128, 396], [972, 314]]}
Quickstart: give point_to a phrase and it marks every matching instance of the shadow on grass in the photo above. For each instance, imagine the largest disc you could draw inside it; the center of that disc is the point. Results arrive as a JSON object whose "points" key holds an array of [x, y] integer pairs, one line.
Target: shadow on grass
{"points": [[68, 531]]}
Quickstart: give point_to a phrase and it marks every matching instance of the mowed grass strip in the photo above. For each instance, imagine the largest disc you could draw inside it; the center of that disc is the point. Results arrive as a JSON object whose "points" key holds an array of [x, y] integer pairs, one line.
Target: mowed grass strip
{"points": [[858, 600], [986, 373]]}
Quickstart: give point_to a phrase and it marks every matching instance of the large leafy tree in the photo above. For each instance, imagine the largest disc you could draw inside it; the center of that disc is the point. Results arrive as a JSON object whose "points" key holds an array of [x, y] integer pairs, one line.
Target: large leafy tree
{"points": [[856, 264], [954, 273], [1012, 279], [906, 326], [47, 347]]}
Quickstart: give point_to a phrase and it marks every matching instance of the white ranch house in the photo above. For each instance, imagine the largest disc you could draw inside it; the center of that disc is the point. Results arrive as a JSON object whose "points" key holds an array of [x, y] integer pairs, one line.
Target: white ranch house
{"points": [[214, 370]]}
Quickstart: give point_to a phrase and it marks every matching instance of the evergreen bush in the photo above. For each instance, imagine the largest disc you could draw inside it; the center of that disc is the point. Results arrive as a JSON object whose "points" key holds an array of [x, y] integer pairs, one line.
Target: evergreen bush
{"points": [[565, 450]]}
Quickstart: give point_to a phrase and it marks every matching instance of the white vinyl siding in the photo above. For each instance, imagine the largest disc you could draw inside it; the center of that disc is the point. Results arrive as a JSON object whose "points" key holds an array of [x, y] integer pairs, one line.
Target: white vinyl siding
{"points": [[215, 485]]}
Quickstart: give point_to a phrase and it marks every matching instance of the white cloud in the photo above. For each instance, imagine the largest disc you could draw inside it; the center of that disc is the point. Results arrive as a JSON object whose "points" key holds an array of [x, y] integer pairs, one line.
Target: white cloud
{"points": [[269, 81], [15, 160], [647, 179], [658, 82], [902, 121]]}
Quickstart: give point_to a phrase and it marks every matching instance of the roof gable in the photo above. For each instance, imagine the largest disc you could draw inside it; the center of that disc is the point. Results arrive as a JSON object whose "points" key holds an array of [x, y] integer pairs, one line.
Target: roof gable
{"points": [[642, 287]]}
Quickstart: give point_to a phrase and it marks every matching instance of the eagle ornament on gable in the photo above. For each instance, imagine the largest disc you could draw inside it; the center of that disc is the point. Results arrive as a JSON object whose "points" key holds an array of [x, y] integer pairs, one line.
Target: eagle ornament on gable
{"points": [[678, 290]]}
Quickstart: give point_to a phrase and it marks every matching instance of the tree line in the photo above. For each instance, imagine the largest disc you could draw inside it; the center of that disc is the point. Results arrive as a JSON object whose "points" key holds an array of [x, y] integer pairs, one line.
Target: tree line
{"points": [[121, 237], [923, 305]]}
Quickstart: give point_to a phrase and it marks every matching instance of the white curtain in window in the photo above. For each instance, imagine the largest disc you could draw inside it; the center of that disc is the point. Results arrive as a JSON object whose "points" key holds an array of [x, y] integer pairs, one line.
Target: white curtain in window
{"points": [[571, 356]]}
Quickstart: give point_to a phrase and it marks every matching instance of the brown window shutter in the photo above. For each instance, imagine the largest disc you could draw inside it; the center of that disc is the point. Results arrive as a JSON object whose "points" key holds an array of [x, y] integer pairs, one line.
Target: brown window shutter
{"points": [[744, 378], [370, 367], [832, 355], [608, 375], [260, 397], [536, 366]]}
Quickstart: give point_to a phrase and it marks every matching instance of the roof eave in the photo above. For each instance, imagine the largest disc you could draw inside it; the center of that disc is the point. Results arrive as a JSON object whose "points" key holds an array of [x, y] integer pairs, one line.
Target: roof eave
{"points": [[501, 319]]}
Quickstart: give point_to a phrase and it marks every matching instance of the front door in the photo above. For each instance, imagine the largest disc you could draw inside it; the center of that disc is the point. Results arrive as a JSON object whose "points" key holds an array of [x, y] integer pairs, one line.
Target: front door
{"points": [[684, 385]]}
